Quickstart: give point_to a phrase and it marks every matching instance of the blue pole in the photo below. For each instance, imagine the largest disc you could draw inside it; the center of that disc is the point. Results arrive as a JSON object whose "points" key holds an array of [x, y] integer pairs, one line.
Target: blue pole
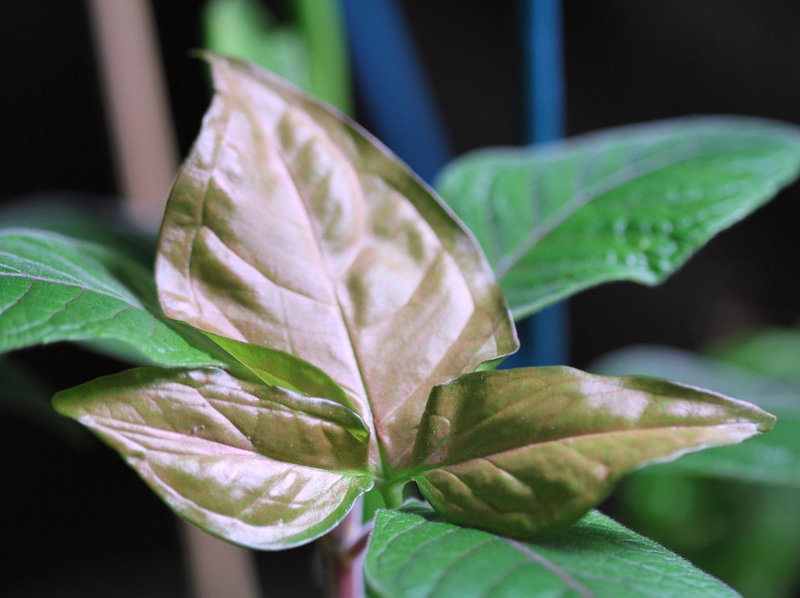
{"points": [[544, 336], [392, 85]]}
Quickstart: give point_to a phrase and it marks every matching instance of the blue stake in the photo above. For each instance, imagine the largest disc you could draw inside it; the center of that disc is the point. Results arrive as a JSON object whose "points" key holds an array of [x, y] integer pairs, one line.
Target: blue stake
{"points": [[392, 85], [544, 336]]}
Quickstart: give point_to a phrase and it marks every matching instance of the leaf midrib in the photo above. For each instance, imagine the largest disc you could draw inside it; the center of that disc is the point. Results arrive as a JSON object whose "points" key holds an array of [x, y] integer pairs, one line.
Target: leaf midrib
{"points": [[319, 255], [50, 245], [112, 426], [420, 470], [586, 195], [568, 579], [78, 286]]}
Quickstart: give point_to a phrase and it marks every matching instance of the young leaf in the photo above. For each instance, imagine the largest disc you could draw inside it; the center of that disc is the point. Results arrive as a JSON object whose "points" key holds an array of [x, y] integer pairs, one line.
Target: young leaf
{"points": [[773, 458], [291, 228], [284, 370], [257, 465], [55, 288], [627, 204], [520, 452], [414, 553]]}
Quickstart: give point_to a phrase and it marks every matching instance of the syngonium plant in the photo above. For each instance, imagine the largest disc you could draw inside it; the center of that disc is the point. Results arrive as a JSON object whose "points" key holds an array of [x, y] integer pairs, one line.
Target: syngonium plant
{"points": [[330, 326], [362, 322]]}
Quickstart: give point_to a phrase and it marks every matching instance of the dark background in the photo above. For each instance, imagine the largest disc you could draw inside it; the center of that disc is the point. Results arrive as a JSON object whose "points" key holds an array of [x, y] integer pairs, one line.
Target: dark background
{"points": [[73, 517]]}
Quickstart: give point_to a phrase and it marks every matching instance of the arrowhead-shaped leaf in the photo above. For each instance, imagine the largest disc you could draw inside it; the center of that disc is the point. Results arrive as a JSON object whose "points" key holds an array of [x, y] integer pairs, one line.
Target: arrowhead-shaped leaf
{"points": [[773, 458], [520, 452], [54, 288], [291, 228], [626, 204], [260, 466], [413, 553]]}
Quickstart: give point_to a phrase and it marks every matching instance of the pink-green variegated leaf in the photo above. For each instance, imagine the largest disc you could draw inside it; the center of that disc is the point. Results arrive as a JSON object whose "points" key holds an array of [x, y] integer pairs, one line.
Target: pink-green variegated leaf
{"points": [[292, 228], [520, 452], [257, 465]]}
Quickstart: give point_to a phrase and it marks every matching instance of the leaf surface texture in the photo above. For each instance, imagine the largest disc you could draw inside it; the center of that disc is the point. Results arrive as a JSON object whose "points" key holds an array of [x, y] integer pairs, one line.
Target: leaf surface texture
{"points": [[625, 204], [413, 553], [260, 466], [54, 288], [525, 451], [291, 228]]}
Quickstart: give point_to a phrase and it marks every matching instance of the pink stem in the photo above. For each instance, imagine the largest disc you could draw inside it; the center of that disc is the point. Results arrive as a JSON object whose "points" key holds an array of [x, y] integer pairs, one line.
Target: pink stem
{"points": [[346, 547]]}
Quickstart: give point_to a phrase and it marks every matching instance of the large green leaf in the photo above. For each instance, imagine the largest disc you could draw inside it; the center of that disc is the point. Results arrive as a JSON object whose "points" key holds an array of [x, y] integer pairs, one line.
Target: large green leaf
{"points": [[773, 458], [55, 288], [626, 204], [291, 228], [257, 465], [520, 452], [413, 553]]}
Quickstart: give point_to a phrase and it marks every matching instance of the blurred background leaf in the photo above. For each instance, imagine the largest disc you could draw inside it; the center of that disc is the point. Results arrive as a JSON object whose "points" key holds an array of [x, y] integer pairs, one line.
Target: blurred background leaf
{"points": [[25, 395], [308, 48], [733, 511], [97, 219]]}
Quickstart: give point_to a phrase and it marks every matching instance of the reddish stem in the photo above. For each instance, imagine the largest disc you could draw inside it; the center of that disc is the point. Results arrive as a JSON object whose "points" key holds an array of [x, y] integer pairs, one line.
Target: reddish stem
{"points": [[345, 547]]}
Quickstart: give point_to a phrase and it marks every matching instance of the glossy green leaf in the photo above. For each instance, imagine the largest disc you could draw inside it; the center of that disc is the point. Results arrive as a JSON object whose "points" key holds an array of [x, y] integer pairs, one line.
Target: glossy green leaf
{"points": [[626, 204], [520, 452], [773, 458], [277, 368], [291, 228], [413, 553], [55, 288], [260, 466]]}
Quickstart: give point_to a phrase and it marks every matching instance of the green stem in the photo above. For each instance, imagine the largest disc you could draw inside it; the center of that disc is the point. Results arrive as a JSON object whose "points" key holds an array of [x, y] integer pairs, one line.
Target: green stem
{"points": [[392, 494], [321, 24]]}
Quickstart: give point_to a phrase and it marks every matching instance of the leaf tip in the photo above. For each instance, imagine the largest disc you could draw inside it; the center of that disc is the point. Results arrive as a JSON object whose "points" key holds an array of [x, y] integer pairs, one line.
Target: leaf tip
{"points": [[62, 404], [766, 421]]}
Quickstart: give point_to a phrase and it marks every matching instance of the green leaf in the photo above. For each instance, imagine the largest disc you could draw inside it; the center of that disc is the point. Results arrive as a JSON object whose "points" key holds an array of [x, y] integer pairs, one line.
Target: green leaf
{"points": [[246, 29], [323, 30], [774, 353], [284, 370], [291, 228], [413, 553], [745, 534], [773, 458], [55, 288], [99, 220], [626, 204], [521, 452], [259, 466]]}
